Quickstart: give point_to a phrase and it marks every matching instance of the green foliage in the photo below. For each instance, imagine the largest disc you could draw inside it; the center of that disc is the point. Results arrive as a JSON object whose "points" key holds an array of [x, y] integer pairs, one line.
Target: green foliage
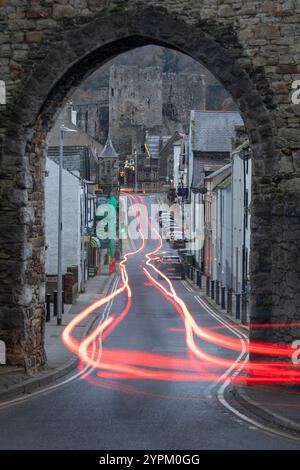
{"points": [[170, 61], [103, 79], [215, 94]]}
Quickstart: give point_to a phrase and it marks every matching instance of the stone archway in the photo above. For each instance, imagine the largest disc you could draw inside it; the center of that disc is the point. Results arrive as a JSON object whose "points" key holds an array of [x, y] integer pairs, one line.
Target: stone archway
{"points": [[54, 70]]}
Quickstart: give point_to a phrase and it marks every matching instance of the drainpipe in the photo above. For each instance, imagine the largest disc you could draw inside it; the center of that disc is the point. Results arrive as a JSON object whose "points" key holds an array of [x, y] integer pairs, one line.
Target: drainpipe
{"points": [[232, 218], [244, 229]]}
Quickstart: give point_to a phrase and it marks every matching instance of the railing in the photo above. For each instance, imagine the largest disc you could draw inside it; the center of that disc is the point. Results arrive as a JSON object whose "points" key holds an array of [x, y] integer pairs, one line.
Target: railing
{"points": [[233, 303]]}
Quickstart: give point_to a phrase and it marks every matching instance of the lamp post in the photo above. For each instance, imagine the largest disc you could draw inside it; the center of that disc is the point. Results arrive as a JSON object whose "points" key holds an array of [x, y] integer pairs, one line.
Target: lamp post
{"points": [[63, 129], [182, 207], [244, 156]]}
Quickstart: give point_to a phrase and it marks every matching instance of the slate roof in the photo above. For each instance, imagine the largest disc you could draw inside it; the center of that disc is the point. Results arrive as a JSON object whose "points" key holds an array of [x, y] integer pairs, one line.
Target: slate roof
{"points": [[109, 150], [73, 157], [152, 142], [167, 142], [201, 167], [72, 139], [212, 131], [80, 150], [220, 175], [155, 143]]}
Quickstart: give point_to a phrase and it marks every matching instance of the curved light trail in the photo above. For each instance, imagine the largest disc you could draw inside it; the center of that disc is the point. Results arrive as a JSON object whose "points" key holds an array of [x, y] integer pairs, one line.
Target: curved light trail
{"points": [[119, 364]]}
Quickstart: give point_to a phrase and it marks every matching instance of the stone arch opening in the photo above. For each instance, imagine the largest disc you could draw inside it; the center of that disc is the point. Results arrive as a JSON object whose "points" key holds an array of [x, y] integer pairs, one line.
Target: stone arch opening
{"points": [[66, 62]]}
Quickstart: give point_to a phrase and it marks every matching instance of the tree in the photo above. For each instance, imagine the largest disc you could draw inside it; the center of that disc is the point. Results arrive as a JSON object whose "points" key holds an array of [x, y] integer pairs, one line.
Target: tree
{"points": [[170, 61]]}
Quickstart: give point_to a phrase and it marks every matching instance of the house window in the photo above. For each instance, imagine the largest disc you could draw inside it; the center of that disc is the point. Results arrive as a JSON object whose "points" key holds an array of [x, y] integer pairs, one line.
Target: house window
{"points": [[112, 92], [246, 208]]}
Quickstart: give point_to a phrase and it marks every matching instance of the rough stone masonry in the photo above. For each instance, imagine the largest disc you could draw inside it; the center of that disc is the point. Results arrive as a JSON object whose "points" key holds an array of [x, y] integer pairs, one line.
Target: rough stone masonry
{"points": [[48, 47]]}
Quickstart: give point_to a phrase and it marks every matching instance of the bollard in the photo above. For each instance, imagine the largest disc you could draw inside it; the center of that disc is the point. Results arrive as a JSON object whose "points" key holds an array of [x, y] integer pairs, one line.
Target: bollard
{"points": [[193, 274], [212, 290], [223, 298], [48, 300], [207, 286], [55, 303], [217, 292], [229, 301], [199, 279], [63, 302], [244, 308], [238, 306]]}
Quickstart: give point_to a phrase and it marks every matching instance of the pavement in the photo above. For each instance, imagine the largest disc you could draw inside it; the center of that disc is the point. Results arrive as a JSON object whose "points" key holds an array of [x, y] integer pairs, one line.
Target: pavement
{"points": [[274, 405], [60, 361]]}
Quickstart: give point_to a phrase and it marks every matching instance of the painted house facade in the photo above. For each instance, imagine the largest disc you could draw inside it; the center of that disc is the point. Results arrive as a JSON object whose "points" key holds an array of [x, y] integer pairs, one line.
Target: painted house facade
{"points": [[241, 216], [71, 216], [210, 146]]}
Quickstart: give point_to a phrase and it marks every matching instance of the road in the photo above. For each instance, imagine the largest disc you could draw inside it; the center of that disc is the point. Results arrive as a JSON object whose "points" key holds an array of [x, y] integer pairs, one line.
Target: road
{"points": [[103, 412]]}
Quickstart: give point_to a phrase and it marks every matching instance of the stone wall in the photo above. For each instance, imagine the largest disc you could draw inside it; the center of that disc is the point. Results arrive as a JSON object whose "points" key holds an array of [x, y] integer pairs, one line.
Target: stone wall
{"points": [[140, 99], [93, 119], [135, 104], [48, 48], [181, 93]]}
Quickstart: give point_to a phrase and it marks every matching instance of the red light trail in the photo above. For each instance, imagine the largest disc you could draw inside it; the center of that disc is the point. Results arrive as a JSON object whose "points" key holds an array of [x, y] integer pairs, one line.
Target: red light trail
{"points": [[115, 364]]}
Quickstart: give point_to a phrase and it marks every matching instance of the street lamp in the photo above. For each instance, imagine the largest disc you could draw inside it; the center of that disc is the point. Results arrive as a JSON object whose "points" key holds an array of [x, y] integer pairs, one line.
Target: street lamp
{"points": [[63, 129], [244, 155]]}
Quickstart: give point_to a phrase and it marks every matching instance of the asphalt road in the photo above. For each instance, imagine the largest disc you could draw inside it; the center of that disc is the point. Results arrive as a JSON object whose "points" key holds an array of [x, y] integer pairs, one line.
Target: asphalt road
{"points": [[120, 414]]}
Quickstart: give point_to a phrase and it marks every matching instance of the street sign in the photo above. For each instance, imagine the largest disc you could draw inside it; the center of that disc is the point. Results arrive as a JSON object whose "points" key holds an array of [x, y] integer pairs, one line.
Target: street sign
{"points": [[101, 200]]}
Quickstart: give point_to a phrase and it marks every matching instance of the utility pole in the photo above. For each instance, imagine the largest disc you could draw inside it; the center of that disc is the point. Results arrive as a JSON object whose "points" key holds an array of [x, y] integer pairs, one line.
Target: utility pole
{"points": [[59, 237]]}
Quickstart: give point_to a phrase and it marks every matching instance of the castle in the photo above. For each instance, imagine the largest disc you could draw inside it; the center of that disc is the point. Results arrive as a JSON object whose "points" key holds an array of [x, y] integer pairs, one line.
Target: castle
{"points": [[137, 100]]}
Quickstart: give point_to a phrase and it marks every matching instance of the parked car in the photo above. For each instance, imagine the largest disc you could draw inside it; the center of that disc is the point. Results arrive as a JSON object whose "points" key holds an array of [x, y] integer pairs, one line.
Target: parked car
{"points": [[177, 239], [169, 223], [171, 265], [164, 216], [169, 229]]}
